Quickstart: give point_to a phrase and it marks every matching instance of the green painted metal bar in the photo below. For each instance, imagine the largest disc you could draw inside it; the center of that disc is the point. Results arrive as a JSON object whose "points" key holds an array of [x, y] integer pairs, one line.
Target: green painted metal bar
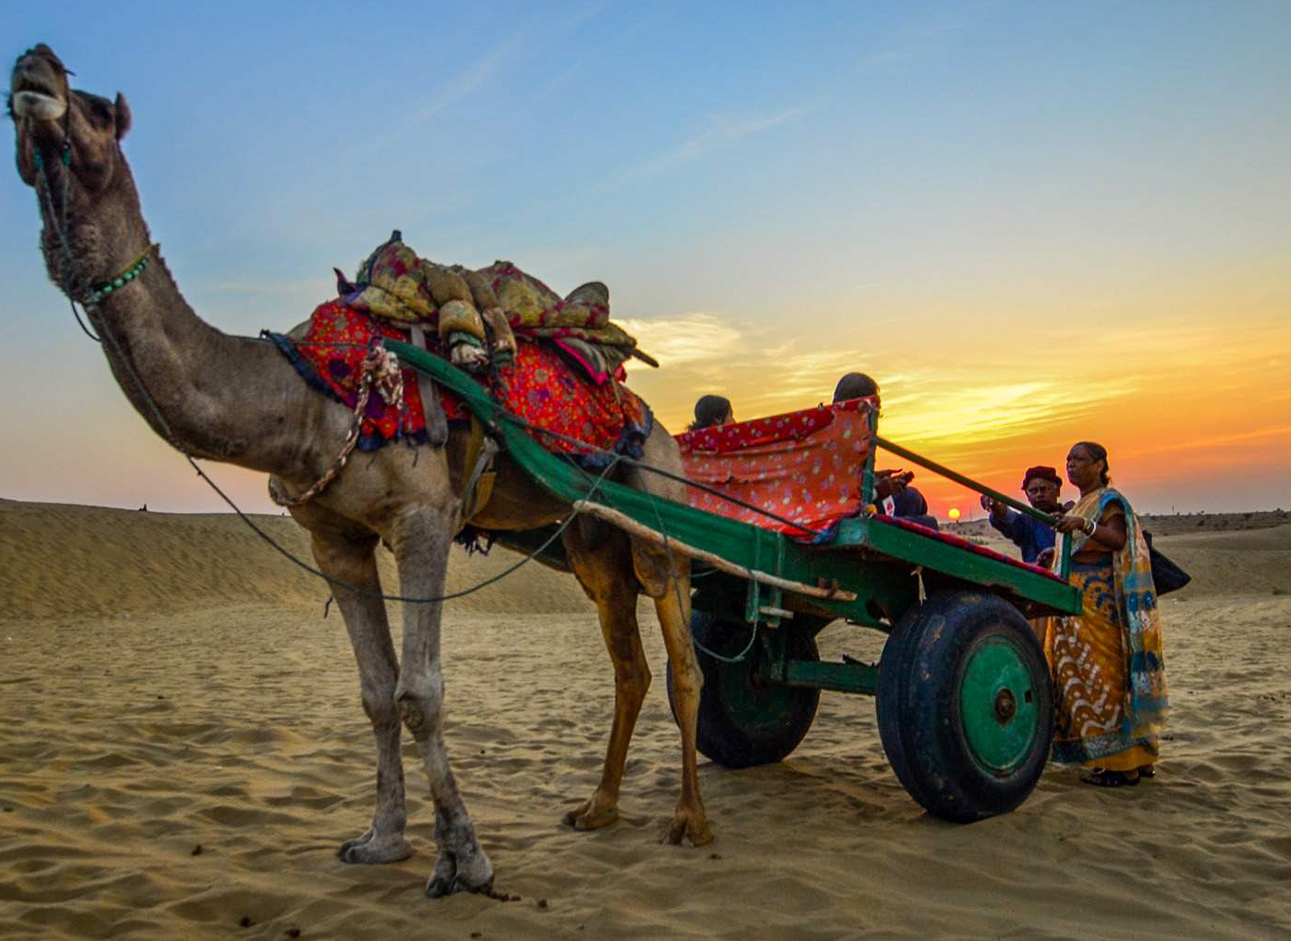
{"points": [[840, 677], [938, 556], [1064, 564]]}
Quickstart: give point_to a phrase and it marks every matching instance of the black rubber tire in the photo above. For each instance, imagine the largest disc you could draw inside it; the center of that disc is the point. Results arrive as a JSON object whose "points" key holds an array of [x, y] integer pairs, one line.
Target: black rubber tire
{"points": [[919, 714], [894, 672], [744, 721]]}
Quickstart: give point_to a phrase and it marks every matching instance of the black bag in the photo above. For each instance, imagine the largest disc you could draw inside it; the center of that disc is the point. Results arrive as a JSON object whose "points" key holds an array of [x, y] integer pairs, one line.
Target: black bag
{"points": [[1166, 576]]}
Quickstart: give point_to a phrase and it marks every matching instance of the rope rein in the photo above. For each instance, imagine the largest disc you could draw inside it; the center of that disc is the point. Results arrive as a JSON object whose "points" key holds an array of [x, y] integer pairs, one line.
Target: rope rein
{"points": [[381, 367]]}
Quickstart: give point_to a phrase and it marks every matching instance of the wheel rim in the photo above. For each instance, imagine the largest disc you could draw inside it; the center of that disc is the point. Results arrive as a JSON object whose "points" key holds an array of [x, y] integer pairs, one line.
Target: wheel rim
{"points": [[998, 705]]}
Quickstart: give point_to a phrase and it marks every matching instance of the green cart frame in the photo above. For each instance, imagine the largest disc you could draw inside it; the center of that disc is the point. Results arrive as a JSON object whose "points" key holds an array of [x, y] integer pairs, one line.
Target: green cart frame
{"points": [[963, 694]]}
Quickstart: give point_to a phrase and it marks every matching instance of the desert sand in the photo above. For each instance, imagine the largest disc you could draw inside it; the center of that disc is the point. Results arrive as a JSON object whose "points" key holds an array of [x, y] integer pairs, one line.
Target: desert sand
{"points": [[183, 748]]}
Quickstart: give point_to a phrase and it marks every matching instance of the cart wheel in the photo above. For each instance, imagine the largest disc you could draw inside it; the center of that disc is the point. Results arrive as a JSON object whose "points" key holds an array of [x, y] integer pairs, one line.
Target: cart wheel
{"points": [[743, 719], [965, 706]]}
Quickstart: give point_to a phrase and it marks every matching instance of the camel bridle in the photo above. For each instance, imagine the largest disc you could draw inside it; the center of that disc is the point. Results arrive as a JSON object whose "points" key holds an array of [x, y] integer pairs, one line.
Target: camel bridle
{"points": [[58, 222]]}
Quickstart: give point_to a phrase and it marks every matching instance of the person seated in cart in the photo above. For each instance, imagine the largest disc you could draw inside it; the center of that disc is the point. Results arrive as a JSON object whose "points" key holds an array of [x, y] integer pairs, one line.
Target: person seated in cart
{"points": [[892, 488], [1042, 485], [712, 411]]}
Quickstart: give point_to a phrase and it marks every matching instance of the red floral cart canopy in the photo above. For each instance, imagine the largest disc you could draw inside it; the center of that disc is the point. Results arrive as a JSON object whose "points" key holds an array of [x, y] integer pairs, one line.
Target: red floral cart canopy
{"points": [[802, 466]]}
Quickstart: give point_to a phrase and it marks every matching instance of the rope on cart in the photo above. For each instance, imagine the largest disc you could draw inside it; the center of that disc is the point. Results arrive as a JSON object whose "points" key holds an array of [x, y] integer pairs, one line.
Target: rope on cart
{"points": [[753, 634]]}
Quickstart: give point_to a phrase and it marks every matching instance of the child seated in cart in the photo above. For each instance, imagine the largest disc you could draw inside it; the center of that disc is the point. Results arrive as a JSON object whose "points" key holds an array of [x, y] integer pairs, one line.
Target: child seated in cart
{"points": [[712, 411], [892, 490]]}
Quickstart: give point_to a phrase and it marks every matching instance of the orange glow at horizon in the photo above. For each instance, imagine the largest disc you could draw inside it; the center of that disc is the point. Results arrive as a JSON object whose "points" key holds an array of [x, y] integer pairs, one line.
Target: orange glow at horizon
{"points": [[1194, 408]]}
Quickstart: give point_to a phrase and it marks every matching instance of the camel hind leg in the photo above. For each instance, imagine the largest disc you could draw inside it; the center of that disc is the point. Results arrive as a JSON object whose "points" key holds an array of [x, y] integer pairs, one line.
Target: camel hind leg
{"points": [[666, 579], [602, 562]]}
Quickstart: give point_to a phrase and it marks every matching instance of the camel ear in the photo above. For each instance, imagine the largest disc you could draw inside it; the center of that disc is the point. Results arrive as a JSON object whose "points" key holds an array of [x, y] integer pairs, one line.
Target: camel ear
{"points": [[123, 116]]}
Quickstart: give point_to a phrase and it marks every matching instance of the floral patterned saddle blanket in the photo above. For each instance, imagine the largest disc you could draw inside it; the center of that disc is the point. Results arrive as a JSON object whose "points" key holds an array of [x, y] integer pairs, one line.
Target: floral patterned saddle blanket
{"points": [[539, 385]]}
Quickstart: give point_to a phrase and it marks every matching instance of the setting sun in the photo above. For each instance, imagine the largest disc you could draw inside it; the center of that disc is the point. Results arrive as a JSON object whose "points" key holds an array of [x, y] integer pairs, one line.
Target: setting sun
{"points": [[954, 513]]}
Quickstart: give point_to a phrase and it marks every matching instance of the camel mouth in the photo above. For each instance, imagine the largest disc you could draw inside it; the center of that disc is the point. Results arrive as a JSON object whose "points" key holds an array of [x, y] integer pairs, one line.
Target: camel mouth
{"points": [[38, 105], [35, 99]]}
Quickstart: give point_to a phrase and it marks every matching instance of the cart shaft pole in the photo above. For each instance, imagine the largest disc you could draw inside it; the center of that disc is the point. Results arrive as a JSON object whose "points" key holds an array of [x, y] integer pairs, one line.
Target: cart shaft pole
{"points": [[1064, 563]]}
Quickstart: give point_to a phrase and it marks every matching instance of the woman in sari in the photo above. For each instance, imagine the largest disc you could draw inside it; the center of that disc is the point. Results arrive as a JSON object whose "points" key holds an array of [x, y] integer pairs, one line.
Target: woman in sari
{"points": [[1107, 664]]}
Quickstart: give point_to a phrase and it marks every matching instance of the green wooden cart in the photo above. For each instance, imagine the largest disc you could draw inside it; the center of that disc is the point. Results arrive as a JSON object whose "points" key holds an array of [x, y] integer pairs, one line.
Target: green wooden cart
{"points": [[963, 695]]}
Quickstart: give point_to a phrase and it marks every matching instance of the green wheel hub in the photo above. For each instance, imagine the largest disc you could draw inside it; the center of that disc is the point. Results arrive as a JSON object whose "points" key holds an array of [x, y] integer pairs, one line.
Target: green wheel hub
{"points": [[997, 705], [751, 703]]}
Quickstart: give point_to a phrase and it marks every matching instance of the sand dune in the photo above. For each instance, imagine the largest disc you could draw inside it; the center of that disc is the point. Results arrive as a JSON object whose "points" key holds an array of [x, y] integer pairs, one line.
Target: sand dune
{"points": [[168, 684], [64, 560]]}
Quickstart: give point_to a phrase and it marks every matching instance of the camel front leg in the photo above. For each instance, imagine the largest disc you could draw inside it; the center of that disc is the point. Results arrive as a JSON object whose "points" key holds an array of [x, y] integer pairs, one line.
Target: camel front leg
{"points": [[671, 594], [420, 541], [606, 576], [351, 561]]}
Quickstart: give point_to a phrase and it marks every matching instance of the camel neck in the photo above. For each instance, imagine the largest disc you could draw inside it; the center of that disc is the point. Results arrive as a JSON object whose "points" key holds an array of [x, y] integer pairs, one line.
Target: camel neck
{"points": [[211, 395]]}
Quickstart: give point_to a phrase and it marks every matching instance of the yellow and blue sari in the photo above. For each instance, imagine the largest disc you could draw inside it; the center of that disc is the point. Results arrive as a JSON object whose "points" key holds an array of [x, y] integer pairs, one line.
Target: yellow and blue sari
{"points": [[1107, 664]]}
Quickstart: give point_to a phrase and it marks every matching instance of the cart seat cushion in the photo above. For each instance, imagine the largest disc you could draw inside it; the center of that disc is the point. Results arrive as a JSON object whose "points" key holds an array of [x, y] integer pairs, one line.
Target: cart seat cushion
{"points": [[963, 544], [804, 467]]}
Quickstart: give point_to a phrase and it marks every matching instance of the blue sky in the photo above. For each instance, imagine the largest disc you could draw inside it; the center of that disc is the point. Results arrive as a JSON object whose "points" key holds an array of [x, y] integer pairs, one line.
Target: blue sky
{"points": [[1032, 222]]}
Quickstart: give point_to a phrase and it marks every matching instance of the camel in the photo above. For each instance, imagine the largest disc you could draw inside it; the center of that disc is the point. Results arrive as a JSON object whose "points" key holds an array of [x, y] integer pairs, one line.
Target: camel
{"points": [[234, 399]]}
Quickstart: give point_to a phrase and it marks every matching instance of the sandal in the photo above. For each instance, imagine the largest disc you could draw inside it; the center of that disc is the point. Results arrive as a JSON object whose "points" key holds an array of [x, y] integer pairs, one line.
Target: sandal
{"points": [[1101, 777]]}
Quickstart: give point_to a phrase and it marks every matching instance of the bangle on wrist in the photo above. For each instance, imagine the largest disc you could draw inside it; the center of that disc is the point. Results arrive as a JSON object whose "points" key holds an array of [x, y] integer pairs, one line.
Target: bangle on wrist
{"points": [[1090, 527]]}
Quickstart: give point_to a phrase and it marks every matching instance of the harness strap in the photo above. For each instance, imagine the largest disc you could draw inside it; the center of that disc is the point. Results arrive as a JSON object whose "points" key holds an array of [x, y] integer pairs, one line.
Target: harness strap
{"points": [[432, 410]]}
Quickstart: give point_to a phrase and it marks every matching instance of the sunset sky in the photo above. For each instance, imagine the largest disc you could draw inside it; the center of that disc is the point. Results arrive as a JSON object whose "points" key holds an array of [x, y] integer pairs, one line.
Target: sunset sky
{"points": [[1032, 223]]}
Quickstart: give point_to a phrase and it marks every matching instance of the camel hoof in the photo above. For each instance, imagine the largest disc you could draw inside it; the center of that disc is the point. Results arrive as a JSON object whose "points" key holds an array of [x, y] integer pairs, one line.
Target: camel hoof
{"points": [[371, 850], [686, 827], [438, 888], [587, 817], [452, 876]]}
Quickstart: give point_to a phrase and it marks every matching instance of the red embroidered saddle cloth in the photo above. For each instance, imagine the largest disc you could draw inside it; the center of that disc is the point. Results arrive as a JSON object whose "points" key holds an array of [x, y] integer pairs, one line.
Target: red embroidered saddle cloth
{"points": [[802, 466], [539, 387]]}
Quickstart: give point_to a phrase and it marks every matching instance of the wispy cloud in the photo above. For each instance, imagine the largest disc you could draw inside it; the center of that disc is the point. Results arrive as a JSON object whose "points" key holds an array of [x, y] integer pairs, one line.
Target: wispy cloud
{"points": [[950, 409], [930, 36], [685, 340], [722, 131], [945, 413], [465, 82], [595, 51]]}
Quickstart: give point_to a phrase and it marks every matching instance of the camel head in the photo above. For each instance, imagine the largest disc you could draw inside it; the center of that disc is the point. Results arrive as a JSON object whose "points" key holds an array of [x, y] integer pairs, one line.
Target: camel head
{"points": [[68, 148]]}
